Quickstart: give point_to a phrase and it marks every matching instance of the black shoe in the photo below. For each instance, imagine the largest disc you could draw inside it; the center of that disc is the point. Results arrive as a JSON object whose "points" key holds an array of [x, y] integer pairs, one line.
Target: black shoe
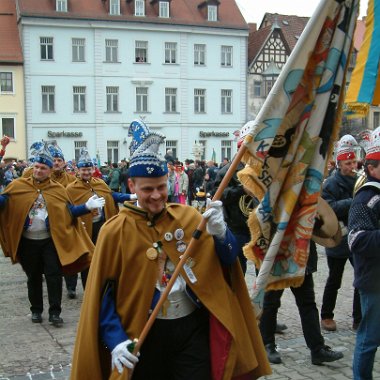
{"points": [[273, 355], [36, 318], [71, 294], [56, 320], [280, 328], [325, 354]]}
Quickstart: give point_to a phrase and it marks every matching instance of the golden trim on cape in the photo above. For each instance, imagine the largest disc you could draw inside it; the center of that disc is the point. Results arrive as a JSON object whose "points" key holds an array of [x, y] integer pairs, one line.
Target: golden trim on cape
{"points": [[151, 253]]}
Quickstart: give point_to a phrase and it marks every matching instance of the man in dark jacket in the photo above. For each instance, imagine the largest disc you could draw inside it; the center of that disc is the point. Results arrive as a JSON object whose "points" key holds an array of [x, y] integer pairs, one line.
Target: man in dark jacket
{"points": [[364, 242], [338, 192]]}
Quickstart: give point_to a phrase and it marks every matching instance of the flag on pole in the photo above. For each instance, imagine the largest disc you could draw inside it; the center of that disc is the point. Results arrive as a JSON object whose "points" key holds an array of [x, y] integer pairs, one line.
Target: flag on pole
{"points": [[289, 143], [213, 156], [364, 88]]}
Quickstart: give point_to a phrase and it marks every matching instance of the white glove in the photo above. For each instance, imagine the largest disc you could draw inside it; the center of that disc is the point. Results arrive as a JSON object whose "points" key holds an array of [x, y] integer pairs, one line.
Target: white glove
{"points": [[133, 197], [215, 220], [95, 202], [122, 357]]}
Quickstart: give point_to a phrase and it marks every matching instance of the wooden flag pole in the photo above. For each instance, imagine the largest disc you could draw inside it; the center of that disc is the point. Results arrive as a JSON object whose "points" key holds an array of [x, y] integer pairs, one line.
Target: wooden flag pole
{"points": [[190, 249]]}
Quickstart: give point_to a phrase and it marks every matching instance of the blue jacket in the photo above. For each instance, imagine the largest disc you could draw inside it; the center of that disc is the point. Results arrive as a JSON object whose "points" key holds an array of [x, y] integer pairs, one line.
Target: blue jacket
{"points": [[338, 191], [364, 237]]}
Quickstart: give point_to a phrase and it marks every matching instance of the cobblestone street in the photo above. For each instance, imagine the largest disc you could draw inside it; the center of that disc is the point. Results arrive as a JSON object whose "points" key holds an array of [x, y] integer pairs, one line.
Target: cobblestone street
{"points": [[40, 351]]}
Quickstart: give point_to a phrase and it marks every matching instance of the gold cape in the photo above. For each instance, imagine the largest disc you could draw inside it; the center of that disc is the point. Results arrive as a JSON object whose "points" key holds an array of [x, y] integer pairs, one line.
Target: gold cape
{"points": [[120, 255], [73, 246], [79, 191], [62, 177]]}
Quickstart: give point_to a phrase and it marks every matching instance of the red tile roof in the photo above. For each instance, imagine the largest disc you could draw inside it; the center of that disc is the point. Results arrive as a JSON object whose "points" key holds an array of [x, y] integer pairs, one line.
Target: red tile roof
{"points": [[10, 46], [291, 28], [182, 12]]}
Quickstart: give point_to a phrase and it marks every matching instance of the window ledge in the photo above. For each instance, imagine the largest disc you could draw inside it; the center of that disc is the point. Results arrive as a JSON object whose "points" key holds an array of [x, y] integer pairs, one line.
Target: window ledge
{"points": [[111, 62], [170, 64], [112, 112], [142, 112], [171, 113]]}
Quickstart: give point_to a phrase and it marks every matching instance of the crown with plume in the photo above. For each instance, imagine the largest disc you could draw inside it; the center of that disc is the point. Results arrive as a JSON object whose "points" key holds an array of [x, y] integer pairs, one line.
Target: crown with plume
{"points": [[41, 153], [145, 160], [85, 160]]}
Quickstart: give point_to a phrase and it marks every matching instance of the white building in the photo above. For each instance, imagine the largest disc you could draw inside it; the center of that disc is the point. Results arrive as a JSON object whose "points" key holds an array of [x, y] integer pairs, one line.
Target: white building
{"points": [[92, 66]]}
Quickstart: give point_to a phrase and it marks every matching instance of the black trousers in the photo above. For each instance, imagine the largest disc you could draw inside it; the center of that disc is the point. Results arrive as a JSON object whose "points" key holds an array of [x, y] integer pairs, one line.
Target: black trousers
{"points": [[72, 280], [333, 284], [176, 349], [307, 308], [38, 257]]}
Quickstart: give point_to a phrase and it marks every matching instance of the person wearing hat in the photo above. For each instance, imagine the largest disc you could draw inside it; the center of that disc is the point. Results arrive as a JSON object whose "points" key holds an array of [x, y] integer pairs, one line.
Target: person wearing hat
{"points": [[39, 229], [338, 190], [364, 243], [207, 327]]}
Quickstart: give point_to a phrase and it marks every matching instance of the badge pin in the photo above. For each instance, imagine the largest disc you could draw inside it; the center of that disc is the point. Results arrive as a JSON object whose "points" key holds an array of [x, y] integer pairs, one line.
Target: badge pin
{"points": [[179, 234], [151, 254], [181, 246], [190, 262], [168, 236]]}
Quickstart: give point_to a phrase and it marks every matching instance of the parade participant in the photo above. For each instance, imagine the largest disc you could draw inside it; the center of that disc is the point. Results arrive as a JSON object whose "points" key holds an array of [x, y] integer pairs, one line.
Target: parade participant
{"points": [[38, 228], [308, 312], [83, 187], [59, 173], [206, 328], [338, 190], [364, 243]]}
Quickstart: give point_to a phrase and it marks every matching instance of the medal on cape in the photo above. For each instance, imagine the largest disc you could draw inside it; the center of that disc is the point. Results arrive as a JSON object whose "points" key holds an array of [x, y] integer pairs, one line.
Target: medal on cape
{"points": [[179, 234], [190, 274], [151, 253], [168, 236], [181, 246]]}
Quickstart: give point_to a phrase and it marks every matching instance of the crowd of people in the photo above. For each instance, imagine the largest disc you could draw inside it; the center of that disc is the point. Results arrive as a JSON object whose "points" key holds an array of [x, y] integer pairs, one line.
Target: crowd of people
{"points": [[58, 219]]}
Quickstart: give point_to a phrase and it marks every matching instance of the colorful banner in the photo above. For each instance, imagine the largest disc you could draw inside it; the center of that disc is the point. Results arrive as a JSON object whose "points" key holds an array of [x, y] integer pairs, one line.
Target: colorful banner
{"points": [[364, 88], [289, 143]]}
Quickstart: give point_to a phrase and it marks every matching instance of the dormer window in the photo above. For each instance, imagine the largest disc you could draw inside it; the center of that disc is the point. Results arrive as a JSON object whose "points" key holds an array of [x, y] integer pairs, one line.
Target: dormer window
{"points": [[61, 5], [115, 7], [163, 9], [139, 7], [212, 13]]}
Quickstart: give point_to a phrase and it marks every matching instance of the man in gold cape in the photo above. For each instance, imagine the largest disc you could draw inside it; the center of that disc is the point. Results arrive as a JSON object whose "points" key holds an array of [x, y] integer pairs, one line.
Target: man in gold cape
{"points": [[38, 229], [207, 328]]}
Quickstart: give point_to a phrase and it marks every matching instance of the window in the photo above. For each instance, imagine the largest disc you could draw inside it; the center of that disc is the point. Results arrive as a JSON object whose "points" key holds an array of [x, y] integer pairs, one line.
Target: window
{"points": [[78, 145], [48, 97], [79, 98], [257, 88], [172, 145], [114, 7], [112, 99], [163, 9], [46, 47], [170, 100], [111, 50], [170, 52], [269, 83], [141, 99], [8, 127], [199, 54], [226, 56], [212, 13], [139, 8], [141, 51], [226, 149], [226, 98], [77, 47], [6, 82], [199, 100], [112, 151], [61, 6], [376, 119]]}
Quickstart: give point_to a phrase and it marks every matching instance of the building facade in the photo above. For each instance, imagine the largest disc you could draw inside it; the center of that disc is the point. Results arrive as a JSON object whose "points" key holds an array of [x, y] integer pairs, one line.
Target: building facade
{"points": [[93, 66], [12, 106]]}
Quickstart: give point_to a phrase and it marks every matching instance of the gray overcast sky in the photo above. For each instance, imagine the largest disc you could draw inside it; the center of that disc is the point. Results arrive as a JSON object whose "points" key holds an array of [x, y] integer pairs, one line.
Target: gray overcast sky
{"points": [[254, 10]]}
